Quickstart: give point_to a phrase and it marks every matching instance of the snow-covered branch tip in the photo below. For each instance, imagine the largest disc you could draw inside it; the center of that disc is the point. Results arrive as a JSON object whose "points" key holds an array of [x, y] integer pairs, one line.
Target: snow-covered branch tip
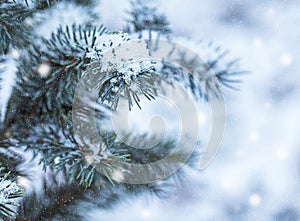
{"points": [[8, 191]]}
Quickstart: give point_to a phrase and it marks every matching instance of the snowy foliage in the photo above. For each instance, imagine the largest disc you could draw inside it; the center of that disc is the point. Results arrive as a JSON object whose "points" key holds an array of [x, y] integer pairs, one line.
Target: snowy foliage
{"points": [[256, 173], [144, 16], [7, 189], [131, 71], [106, 42]]}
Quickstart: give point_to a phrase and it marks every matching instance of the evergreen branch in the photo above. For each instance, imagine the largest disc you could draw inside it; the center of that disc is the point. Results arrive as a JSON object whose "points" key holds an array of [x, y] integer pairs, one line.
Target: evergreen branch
{"points": [[47, 76], [131, 82], [62, 201], [44, 4], [61, 152], [205, 78], [144, 17], [8, 191], [13, 30], [51, 203], [49, 71], [9, 160]]}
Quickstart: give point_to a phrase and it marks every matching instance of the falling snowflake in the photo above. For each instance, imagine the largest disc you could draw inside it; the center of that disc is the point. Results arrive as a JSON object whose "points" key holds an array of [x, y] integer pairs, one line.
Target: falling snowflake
{"points": [[44, 70]]}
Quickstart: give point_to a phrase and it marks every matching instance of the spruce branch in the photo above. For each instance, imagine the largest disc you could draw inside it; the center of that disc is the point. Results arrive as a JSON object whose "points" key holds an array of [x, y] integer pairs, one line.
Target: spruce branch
{"points": [[51, 202], [144, 17], [131, 82], [9, 190], [58, 149], [44, 4], [13, 30], [49, 71], [62, 201], [207, 73]]}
